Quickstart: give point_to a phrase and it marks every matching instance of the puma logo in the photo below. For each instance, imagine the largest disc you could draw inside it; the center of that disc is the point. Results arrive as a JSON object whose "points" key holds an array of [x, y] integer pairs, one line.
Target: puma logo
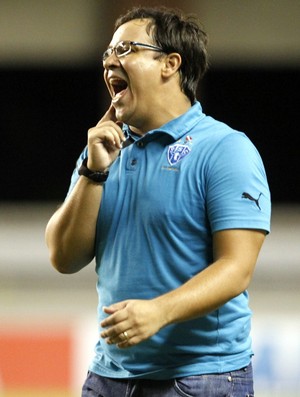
{"points": [[247, 196]]}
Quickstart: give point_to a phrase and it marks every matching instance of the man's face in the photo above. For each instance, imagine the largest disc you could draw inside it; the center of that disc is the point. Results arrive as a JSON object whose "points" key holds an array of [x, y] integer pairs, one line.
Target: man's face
{"points": [[134, 80]]}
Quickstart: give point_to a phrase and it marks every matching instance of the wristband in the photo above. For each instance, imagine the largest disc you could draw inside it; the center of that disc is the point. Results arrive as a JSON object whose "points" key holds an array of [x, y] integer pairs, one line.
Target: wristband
{"points": [[95, 176]]}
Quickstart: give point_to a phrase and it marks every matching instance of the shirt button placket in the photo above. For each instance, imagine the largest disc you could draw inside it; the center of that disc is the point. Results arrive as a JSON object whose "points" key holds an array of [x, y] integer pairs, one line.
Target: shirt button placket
{"points": [[133, 161]]}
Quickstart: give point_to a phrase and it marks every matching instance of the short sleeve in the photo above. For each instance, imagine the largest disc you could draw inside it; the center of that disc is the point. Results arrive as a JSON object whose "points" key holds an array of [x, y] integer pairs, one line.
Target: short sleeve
{"points": [[238, 194]]}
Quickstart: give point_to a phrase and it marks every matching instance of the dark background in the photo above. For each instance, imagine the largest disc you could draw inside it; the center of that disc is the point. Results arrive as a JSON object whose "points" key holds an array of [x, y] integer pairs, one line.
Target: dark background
{"points": [[51, 88], [45, 114]]}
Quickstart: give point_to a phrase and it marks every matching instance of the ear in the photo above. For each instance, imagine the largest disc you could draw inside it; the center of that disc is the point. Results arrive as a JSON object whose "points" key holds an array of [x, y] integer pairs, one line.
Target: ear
{"points": [[171, 64]]}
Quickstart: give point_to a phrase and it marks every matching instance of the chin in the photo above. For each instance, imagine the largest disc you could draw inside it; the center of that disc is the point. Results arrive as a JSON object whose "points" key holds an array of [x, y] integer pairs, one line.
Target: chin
{"points": [[121, 116]]}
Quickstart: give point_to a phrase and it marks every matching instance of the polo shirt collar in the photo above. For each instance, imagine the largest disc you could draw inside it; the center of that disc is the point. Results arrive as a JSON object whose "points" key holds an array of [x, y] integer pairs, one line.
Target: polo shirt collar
{"points": [[175, 128]]}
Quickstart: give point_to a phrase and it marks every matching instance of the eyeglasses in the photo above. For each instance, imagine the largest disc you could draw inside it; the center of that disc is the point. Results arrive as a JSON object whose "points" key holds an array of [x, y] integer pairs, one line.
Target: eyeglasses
{"points": [[125, 47]]}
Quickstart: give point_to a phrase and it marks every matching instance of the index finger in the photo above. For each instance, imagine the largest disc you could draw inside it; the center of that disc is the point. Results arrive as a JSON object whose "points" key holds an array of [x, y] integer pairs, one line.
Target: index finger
{"points": [[110, 115]]}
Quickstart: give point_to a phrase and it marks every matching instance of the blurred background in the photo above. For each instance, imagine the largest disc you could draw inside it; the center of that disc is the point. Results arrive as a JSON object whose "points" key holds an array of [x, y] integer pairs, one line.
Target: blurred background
{"points": [[51, 92]]}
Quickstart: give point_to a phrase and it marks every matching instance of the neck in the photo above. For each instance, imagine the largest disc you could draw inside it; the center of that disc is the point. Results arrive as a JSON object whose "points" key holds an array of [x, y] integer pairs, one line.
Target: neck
{"points": [[162, 115]]}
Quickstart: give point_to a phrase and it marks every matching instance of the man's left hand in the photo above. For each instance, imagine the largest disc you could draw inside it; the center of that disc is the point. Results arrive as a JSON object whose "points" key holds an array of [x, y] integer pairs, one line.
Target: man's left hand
{"points": [[131, 322]]}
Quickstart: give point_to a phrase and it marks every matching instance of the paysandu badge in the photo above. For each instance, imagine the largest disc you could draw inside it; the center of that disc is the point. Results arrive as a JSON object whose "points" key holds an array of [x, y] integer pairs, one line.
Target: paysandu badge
{"points": [[178, 151]]}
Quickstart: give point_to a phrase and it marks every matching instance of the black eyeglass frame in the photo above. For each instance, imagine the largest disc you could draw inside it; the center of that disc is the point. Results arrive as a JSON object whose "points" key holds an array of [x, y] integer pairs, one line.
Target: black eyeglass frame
{"points": [[110, 50]]}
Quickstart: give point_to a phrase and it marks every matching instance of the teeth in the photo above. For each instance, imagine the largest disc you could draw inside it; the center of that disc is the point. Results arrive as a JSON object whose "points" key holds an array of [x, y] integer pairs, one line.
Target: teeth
{"points": [[115, 80], [118, 82]]}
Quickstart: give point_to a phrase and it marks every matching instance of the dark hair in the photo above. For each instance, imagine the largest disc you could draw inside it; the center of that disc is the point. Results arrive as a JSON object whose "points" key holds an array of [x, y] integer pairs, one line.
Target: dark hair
{"points": [[175, 32]]}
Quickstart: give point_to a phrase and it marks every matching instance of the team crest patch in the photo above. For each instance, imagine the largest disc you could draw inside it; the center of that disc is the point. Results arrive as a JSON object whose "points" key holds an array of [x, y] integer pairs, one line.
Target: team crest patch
{"points": [[177, 152]]}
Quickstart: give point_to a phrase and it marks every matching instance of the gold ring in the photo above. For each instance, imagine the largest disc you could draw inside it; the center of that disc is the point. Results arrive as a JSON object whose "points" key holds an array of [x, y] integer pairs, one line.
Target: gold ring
{"points": [[125, 335]]}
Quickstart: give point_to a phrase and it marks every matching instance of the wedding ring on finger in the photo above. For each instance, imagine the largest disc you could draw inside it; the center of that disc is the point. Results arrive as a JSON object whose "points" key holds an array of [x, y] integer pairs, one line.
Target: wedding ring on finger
{"points": [[125, 335]]}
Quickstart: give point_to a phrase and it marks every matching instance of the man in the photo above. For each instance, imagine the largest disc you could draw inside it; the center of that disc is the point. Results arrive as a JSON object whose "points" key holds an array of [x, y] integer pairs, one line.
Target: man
{"points": [[174, 206]]}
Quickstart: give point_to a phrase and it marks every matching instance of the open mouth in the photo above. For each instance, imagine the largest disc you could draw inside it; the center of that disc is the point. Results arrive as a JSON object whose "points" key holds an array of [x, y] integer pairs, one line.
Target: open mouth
{"points": [[118, 88]]}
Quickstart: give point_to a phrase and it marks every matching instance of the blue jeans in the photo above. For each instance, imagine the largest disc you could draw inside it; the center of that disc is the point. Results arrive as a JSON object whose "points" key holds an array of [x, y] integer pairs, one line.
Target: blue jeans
{"points": [[230, 384]]}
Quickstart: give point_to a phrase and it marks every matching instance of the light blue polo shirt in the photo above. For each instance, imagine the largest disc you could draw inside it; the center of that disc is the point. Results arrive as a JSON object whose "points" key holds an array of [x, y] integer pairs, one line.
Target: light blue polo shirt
{"points": [[165, 196]]}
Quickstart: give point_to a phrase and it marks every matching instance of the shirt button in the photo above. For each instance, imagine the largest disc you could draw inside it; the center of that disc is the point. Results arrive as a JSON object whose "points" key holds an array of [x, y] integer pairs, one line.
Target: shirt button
{"points": [[133, 162], [140, 144]]}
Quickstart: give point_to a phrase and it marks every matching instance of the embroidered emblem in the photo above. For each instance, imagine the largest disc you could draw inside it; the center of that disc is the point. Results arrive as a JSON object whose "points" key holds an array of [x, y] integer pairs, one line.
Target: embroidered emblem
{"points": [[177, 152]]}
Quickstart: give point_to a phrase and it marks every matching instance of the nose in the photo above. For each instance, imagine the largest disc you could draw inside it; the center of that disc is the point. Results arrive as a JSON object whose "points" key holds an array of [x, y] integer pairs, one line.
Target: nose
{"points": [[111, 60]]}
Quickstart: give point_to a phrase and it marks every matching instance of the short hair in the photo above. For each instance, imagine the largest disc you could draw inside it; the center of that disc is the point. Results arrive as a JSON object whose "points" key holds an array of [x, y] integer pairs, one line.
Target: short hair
{"points": [[175, 32]]}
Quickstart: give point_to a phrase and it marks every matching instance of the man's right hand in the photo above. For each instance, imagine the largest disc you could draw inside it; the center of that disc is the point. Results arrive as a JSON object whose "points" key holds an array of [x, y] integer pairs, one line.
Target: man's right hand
{"points": [[104, 142]]}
